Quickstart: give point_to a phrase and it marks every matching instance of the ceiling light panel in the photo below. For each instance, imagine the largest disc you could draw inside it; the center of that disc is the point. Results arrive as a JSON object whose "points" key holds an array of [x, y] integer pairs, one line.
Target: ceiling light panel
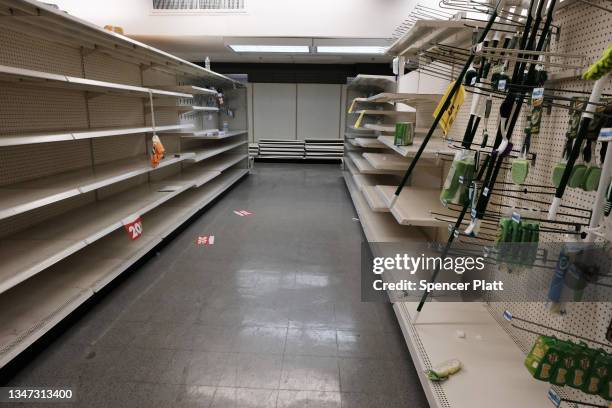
{"points": [[286, 49], [350, 49]]}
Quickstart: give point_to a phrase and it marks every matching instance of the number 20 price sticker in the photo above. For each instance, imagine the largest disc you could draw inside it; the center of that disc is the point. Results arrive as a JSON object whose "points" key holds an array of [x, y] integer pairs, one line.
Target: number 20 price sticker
{"points": [[133, 227]]}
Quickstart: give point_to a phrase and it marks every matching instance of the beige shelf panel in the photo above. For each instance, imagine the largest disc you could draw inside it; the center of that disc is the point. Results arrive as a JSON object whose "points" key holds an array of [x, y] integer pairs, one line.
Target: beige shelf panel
{"points": [[188, 89], [31, 251], [194, 176], [359, 133], [350, 166], [55, 25], [374, 199], [380, 128], [369, 143], [434, 148], [365, 167], [205, 135], [406, 98], [431, 338], [183, 109], [380, 227], [424, 34], [29, 77], [19, 198], [223, 162], [36, 305], [391, 129], [383, 112], [206, 153], [68, 135], [387, 161], [414, 205]]}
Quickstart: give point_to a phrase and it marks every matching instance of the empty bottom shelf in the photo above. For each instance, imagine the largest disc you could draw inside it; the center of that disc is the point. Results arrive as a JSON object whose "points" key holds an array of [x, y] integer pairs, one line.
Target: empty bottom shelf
{"points": [[379, 227], [432, 339], [33, 307]]}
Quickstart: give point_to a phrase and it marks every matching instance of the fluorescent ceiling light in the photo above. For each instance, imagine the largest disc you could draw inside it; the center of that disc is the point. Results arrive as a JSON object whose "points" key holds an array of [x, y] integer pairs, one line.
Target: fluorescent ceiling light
{"points": [[350, 49], [288, 49]]}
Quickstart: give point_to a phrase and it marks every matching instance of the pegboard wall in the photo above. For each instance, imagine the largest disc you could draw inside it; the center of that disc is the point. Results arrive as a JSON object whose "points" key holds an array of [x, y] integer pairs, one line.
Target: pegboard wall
{"points": [[584, 30], [30, 109]]}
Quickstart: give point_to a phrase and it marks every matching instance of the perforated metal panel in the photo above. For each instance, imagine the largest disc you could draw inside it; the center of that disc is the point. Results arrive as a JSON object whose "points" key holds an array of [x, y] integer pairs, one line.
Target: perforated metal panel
{"points": [[26, 220], [23, 51], [22, 163], [111, 111], [105, 68], [114, 148], [27, 109], [583, 30]]}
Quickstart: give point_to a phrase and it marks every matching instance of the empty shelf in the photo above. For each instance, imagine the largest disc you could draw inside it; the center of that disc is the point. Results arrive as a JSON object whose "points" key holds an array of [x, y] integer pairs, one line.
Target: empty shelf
{"points": [[19, 198], [23, 76], [183, 109], [194, 176], [406, 98], [188, 89], [380, 128], [384, 161], [414, 205], [223, 162], [425, 34], [383, 112], [380, 227], [39, 303], [435, 147], [60, 136], [50, 23], [369, 143], [214, 150], [208, 135], [366, 168], [428, 338], [35, 249], [374, 199], [394, 113]]}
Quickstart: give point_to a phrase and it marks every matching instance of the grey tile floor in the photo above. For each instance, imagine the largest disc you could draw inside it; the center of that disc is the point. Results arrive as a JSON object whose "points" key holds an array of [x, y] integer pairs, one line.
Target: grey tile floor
{"points": [[268, 316]]}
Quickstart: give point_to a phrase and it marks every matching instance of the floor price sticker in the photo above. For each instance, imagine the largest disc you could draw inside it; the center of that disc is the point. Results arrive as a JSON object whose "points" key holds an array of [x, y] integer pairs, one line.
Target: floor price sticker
{"points": [[242, 213], [205, 240]]}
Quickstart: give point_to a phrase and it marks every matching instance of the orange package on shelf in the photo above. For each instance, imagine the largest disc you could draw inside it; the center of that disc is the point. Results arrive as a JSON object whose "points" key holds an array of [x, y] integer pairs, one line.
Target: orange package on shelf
{"points": [[157, 151]]}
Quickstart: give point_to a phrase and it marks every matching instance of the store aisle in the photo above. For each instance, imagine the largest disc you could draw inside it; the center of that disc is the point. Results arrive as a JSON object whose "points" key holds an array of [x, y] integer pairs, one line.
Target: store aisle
{"points": [[267, 316]]}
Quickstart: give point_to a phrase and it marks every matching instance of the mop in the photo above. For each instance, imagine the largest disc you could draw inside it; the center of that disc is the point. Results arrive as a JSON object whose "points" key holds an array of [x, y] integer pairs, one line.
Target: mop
{"points": [[509, 112], [455, 229], [599, 72], [446, 104]]}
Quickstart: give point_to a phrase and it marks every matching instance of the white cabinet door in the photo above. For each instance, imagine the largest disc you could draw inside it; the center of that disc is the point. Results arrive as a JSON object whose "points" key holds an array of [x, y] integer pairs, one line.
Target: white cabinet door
{"points": [[318, 111], [274, 111]]}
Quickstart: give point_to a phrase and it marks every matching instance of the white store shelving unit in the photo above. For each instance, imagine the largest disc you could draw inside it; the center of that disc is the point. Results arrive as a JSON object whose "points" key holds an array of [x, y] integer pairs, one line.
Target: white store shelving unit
{"points": [[431, 336], [75, 139], [493, 350], [35, 306], [22, 197], [208, 152]]}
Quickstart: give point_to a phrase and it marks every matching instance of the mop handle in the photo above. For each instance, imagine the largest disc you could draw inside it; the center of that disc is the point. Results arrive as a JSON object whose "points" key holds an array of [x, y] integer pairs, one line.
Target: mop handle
{"points": [[585, 121], [445, 105], [601, 197]]}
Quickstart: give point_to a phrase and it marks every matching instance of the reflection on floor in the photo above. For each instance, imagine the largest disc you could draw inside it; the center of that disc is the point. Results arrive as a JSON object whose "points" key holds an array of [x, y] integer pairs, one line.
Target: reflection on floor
{"points": [[268, 316]]}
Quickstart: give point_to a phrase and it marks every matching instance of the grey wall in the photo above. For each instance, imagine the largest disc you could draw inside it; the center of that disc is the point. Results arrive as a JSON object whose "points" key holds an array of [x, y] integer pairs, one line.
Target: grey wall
{"points": [[296, 111]]}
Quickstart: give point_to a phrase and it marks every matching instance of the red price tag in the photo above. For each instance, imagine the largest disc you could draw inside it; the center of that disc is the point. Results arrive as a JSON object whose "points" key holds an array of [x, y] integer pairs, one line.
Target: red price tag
{"points": [[133, 228]]}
